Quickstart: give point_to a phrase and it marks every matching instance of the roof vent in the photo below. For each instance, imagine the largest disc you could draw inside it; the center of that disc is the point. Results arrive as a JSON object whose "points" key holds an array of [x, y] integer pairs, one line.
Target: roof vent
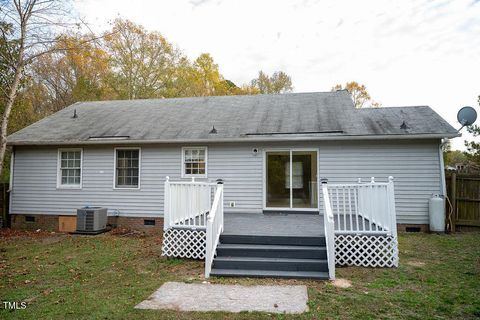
{"points": [[108, 138], [213, 131], [74, 114], [404, 126]]}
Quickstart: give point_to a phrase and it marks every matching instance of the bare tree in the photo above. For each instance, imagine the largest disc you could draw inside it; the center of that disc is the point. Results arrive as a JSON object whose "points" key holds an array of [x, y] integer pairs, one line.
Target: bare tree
{"points": [[28, 30]]}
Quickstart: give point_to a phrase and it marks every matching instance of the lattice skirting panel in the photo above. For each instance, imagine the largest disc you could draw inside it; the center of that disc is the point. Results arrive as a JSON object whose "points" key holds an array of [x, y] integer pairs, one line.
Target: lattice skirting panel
{"points": [[184, 243], [366, 251]]}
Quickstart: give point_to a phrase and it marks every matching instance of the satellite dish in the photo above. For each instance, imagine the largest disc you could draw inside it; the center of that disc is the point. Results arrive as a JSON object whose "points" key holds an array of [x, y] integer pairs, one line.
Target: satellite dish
{"points": [[466, 116]]}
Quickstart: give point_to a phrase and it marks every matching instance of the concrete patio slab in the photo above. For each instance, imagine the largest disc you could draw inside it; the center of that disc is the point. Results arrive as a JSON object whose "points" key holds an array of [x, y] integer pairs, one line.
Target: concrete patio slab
{"points": [[230, 298]]}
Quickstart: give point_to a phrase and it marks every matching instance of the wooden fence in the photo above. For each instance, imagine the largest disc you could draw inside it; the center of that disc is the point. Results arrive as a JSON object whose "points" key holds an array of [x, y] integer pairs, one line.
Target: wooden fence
{"points": [[463, 191]]}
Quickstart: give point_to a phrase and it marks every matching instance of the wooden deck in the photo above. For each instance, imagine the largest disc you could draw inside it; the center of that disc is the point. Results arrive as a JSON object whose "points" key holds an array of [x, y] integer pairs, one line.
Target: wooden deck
{"points": [[271, 224], [287, 224], [280, 224]]}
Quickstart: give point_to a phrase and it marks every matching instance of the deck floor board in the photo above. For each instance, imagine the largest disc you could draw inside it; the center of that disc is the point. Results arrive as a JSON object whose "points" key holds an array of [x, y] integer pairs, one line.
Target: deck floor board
{"points": [[258, 224], [290, 225]]}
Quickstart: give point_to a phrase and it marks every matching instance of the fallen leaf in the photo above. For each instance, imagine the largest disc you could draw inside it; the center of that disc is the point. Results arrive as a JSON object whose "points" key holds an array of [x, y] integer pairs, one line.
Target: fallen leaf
{"points": [[47, 292]]}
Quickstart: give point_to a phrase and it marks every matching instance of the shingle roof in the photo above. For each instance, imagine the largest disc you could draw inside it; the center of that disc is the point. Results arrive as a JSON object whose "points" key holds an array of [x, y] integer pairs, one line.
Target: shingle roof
{"points": [[323, 115]]}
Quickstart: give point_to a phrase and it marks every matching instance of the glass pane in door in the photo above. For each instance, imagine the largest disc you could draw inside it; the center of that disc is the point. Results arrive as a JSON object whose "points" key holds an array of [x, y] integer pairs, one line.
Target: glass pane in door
{"points": [[304, 179], [278, 179]]}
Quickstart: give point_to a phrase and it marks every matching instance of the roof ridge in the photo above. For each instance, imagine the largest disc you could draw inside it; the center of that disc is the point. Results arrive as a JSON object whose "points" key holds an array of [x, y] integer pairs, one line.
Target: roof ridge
{"points": [[218, 97]]}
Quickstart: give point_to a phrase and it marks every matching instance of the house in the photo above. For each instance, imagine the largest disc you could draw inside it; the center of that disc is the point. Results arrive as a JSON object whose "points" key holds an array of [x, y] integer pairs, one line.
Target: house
{"points": [[465, 167], [270, 151]]}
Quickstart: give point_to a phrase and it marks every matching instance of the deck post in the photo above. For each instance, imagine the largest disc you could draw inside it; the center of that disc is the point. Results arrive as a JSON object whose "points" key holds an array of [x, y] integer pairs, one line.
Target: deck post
{"points": [[220, 184], [329, 229], [393, 217], [166, 204]]}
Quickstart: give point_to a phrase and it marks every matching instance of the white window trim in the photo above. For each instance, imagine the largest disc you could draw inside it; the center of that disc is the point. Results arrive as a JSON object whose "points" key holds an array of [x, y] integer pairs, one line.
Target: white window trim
{"points": [[115, 167], [59, 174], [184, 175]]}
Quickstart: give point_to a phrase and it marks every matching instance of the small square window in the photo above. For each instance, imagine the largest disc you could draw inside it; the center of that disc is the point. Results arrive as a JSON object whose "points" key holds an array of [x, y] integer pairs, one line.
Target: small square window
{"points": [[194, 162]]}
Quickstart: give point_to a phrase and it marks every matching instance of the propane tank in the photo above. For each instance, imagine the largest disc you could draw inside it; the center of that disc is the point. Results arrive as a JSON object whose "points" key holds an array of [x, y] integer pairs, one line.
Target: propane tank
{"points": [[436, 206]]}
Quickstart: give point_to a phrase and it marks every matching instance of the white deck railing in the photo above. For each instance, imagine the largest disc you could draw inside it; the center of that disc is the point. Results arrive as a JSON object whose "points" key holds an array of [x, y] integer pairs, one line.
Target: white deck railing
{"points": [[363, 208], [364, 228], [214, 229], [329, 226], [187, 203]]}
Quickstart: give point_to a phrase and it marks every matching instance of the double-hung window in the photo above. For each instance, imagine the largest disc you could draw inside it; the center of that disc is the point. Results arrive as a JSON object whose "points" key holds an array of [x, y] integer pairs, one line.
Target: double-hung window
{"points": [[127, 168], [194, 162], [69, 168]]}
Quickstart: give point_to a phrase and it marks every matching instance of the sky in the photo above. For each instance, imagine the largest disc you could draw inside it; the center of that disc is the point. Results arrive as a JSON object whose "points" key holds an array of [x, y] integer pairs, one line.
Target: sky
{"points": [[406, 52]]}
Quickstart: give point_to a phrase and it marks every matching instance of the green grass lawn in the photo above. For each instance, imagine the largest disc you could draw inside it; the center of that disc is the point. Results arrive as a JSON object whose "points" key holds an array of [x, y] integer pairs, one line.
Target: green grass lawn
{"points": [[104, 277]]}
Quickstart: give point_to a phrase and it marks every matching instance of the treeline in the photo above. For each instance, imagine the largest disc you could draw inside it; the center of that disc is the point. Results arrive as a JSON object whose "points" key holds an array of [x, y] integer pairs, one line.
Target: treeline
{"points": [[126, 62]]}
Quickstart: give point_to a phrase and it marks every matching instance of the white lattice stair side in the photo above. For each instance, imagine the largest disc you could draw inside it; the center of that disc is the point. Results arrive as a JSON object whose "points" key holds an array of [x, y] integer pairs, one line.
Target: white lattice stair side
{"points": [[366, 250], [184, 243]]}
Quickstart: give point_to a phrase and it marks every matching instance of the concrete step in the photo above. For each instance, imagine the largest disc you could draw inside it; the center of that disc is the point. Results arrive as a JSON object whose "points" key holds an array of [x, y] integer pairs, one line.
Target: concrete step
{"points": [[269, 274], [277, 264], [280, 240], [271, 251]]}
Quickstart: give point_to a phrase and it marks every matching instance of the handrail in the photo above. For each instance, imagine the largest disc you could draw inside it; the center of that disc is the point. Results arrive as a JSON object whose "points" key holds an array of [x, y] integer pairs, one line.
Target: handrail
{"points": [[332, 185], [214, 229], [329, 226]]}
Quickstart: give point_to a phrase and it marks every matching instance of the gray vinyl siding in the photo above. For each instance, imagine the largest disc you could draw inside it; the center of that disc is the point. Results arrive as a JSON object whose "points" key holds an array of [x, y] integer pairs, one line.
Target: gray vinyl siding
{"points": [[415, 166], [243, 175]]}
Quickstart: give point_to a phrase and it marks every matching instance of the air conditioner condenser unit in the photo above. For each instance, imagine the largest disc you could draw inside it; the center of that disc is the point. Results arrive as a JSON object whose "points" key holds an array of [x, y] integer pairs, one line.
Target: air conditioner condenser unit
{"points": [[91, 220]]}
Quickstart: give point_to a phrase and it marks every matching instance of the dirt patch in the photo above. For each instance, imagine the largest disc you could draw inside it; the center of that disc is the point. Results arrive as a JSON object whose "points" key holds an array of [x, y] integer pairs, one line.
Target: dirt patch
{"points": [[342, 283], [7, 234], [54, 238], [123, 232], [416, 264]]}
